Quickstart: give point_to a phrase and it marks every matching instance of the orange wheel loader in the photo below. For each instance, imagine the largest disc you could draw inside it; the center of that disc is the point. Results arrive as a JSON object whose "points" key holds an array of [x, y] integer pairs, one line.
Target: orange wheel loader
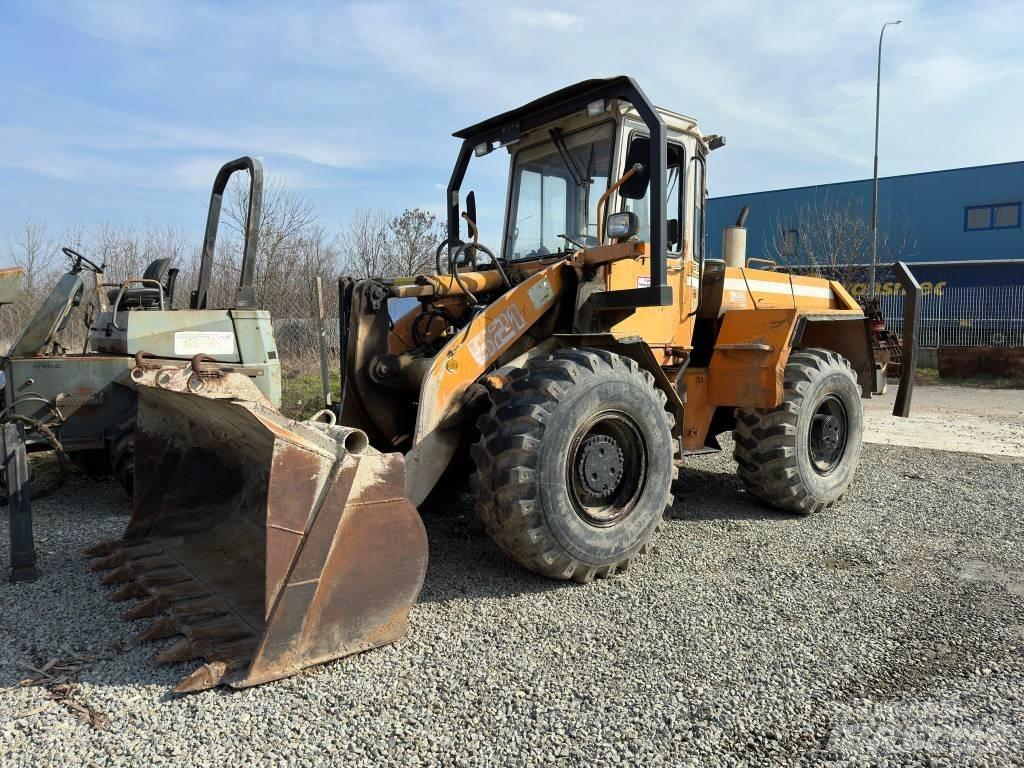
{"points": [[569, 370]]}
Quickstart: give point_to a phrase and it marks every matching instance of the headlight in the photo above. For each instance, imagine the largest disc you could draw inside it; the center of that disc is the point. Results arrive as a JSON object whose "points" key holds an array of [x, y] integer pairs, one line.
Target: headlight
{"points": [[622, 225]]}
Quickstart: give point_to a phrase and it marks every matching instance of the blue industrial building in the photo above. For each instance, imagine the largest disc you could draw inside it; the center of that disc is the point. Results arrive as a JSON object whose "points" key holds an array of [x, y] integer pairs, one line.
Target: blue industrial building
{"points": [[965, 223]]}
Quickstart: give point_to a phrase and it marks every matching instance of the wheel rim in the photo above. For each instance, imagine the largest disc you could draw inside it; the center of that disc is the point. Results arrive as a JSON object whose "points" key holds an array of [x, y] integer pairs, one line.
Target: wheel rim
{"points": [[828, 435], [607, 468]]}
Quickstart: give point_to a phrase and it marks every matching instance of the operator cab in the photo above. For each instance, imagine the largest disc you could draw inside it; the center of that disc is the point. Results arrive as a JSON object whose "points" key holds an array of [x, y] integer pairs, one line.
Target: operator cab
{"points": [[568, 162], [558, 175], [599, 176]]}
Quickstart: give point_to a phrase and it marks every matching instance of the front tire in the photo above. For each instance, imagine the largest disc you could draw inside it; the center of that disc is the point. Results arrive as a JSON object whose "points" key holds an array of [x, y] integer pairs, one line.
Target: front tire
{"points": [[575, 464], [801, 456]]}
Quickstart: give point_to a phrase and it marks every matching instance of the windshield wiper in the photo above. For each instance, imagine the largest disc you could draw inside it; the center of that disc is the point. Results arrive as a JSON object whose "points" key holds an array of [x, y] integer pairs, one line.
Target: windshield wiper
{"points": [[570, 163]]}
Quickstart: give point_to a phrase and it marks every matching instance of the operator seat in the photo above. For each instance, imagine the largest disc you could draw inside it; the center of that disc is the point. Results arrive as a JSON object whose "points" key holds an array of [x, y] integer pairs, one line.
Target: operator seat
{"points": [[147, 295]]}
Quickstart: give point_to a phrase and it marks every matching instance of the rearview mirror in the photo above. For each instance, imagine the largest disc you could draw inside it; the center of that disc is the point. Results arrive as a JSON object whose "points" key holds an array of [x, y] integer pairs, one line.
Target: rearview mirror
{"points": [[471, 213], [635, 187]]}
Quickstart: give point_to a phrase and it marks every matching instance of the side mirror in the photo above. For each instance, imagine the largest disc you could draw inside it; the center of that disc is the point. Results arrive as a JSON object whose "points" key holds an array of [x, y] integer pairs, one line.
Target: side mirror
{"points": [[622, 225], [635, 187]]}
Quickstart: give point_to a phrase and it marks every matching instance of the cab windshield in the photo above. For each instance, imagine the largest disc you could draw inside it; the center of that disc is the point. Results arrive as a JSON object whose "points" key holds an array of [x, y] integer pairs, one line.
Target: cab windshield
{"points": [[555, 189]]}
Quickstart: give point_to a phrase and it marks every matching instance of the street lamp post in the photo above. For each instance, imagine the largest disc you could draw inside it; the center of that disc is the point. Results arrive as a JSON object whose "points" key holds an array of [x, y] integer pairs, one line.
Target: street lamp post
{"points": [[874, 191]]}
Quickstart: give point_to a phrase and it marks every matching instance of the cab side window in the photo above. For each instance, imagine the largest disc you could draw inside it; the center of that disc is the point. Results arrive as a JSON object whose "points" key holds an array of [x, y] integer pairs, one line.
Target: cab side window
{"points": [[636, 191]]}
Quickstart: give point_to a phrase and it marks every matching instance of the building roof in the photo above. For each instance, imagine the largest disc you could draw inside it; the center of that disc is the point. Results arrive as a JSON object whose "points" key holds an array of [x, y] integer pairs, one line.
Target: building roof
{"points": [[868, 180]]}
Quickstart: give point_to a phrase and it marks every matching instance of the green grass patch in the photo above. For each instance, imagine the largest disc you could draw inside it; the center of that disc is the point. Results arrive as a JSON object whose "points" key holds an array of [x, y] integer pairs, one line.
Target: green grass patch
{"points": [[302, 395]]}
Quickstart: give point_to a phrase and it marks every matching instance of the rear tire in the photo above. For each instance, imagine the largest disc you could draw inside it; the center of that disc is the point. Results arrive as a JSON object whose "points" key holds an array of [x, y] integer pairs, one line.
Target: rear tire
{"points": [[801, 456], [122, 451], [575, 464]]}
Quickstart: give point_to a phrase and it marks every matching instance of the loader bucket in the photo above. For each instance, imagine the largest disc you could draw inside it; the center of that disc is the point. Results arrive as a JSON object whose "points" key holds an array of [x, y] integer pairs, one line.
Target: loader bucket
{"points": [[266, 544]]}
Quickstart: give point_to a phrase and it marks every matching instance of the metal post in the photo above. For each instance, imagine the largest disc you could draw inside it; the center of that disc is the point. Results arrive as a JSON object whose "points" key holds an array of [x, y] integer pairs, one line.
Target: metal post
{"points": [[908, 364], [874, 189], [19, 505], [325, 379]]}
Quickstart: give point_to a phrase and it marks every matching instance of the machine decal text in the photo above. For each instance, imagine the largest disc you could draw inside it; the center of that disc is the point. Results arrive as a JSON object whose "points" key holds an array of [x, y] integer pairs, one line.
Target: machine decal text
{"points": [[500, 330], [206, 342]]}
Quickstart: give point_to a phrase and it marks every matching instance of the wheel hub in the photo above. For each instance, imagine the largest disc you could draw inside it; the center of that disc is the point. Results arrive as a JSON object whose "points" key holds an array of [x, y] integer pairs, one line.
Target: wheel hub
{"points": [[600, 465], [606, 468], [828, 434]]}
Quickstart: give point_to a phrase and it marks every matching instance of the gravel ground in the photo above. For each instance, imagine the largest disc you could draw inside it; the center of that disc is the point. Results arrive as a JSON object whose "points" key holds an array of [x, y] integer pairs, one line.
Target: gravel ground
{"points": [[888, 631]]}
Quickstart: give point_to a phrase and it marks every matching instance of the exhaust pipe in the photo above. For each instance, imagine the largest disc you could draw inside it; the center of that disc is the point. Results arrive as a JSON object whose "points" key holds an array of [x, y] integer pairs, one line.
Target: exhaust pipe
{"points": [[734, 241]]}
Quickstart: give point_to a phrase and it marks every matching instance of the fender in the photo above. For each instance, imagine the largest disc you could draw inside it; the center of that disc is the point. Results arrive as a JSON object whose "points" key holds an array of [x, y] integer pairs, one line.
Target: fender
{"points": [[635, 348]]}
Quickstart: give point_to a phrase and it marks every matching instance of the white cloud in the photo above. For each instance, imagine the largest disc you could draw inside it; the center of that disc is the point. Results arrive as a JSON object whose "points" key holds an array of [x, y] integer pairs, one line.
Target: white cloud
{"points": [[543, 19], [330, 92], [197, 172]]}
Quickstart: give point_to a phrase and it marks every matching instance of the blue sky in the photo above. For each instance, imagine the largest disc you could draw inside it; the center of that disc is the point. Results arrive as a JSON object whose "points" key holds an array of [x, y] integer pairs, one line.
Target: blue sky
{"points": [[122, 111]]}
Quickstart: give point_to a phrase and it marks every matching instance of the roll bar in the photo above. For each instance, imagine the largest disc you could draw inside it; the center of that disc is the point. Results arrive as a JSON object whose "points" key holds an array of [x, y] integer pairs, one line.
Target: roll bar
{"points": [[509, 126], [245, 296]]}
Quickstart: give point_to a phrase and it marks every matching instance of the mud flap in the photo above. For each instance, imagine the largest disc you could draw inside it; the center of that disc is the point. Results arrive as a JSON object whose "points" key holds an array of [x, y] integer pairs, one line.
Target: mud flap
{"points": [[266, 544]]}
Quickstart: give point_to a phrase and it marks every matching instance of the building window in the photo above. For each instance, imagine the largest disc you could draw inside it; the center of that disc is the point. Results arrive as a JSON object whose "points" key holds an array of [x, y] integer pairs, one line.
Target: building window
{"points": [[1007, 216], [1004, 216], [790, 243]]}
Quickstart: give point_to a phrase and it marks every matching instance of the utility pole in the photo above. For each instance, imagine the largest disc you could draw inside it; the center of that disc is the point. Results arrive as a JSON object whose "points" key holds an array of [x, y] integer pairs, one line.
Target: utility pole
{"points": [[874, 190]]}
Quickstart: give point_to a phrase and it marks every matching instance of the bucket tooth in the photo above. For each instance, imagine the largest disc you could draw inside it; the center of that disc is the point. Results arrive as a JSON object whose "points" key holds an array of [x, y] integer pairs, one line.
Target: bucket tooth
{"points": [[160, 629], [134, 551], [218, 630], [181, 610], [147, 563], [224, 661], [236, 649], [105, 548], [203, 678], [181, 650], [205, 607], [120, 575], [159, 572], [183, 590], [108, 562], [102, 549], [129, 591], [144, 610], [165, 578]]}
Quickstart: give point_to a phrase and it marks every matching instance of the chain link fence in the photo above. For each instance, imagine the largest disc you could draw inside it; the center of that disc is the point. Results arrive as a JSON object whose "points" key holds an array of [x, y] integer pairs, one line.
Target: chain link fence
{"points": [[991, 316]]}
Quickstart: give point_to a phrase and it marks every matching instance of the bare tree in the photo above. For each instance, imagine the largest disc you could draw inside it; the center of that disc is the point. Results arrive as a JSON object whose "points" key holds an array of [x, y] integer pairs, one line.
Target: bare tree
{"points": [[366, 248], [34, 250], [285, 218], [414, 236], [831, 237]]}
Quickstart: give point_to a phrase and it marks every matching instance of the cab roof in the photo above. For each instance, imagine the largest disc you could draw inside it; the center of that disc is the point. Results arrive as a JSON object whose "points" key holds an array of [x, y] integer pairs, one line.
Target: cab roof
{"points": [[564, 101]]}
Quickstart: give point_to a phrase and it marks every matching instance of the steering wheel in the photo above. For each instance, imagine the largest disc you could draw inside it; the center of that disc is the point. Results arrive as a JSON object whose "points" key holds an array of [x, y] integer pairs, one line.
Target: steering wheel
{"points": [[581, 240], [78, 259]]}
